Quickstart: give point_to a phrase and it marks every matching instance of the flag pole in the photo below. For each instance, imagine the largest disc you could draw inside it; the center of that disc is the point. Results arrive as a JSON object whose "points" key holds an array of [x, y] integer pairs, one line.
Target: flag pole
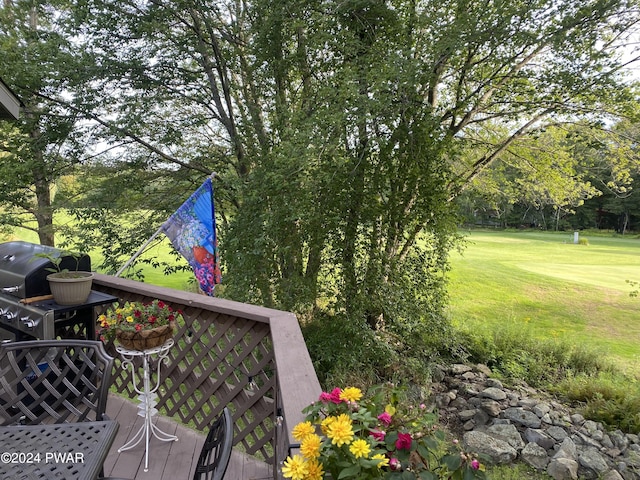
{"points": [[139, 252]]}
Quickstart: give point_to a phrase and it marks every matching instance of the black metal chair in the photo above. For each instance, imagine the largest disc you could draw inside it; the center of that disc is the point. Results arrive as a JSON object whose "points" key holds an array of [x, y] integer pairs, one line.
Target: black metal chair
{"points": [[53, 381], [216, 451]]}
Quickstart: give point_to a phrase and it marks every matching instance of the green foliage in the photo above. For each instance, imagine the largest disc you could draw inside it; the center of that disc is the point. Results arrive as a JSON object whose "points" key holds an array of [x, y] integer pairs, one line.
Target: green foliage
{"points": [[345, 352], [608, 398], [515, 472], [515, 353]]}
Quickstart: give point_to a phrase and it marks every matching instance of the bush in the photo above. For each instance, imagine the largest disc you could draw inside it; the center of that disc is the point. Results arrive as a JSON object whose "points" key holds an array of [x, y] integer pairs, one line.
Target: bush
{"points": [[348, 352], [608, 398], [344, 352]]}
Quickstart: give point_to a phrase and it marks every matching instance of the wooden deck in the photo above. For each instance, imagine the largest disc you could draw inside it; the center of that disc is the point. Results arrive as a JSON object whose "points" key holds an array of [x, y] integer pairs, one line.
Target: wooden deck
{"points": [[167, 460]]}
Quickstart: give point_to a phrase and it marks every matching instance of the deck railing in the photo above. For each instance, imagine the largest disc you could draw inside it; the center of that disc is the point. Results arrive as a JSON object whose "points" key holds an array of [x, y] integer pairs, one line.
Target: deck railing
{"points": [[249, 358]]}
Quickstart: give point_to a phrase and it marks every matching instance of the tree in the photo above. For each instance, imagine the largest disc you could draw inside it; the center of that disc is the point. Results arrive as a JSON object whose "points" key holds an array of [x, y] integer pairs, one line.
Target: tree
{"points": [[341, 132], [43, 144]]}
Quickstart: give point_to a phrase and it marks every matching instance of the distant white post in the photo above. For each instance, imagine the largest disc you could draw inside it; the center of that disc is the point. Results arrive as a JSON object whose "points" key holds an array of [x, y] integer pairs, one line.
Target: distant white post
{"points": [[576, 237]]}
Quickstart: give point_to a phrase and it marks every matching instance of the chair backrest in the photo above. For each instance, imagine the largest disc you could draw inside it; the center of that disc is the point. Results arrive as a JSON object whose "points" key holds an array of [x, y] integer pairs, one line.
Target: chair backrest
{"points": [[53, 381], [216, 451]]}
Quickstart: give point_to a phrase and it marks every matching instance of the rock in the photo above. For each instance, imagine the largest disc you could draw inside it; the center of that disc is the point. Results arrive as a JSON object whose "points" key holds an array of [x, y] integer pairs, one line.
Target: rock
{"points": [[459, 369], [536, 456], [563, 469], [492, 407], [539, 437], [541, 409], [612, 475], [619, 439], [591, 459], [527, 402], [494, 382], [481, 418], [467, 414], [499, 451], [577, 419], [503, 423], [507, 432], [558, 433], [493, 393], [522, 417], [485, 371], [567, 450]]}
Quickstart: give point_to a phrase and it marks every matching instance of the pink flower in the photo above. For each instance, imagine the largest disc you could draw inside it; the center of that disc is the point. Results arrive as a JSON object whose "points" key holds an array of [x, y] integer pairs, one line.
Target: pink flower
{"points": [[394, 464], [378, 435], [475, 464], [385, 418], [325, 397], [335, 395], [404, 441]]}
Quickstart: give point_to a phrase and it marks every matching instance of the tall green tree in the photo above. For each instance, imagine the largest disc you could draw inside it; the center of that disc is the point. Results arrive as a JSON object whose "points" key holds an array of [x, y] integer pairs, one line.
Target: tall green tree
{"points": [[342, 131], [34, 57]]}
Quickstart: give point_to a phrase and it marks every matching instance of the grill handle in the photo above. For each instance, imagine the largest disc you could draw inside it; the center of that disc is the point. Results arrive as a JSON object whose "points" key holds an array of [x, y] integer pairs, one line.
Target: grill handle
{"points": [[14, 289]]}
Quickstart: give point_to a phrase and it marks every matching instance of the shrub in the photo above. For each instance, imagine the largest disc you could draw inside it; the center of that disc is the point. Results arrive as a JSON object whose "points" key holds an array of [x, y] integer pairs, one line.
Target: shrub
{"points": [[612, 399]]}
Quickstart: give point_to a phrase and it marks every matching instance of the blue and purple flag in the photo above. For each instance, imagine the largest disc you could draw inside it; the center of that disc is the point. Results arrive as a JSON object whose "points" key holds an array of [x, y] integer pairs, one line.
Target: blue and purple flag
{"points": [[192, 231]]}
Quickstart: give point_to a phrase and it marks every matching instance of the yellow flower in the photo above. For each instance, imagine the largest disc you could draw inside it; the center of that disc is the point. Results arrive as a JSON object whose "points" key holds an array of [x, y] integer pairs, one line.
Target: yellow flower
{"points": [[302, 429], [384, 461], [295, 468], [324, 426], [351, 394], [314, 470], [390, 409], [130, 319], [310, 446], [360, 448], [340, 431]]}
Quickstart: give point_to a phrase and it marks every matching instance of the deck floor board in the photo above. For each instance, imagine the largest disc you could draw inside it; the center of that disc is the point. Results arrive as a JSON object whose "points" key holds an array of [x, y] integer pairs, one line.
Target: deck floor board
{"points": [[167, 460]]}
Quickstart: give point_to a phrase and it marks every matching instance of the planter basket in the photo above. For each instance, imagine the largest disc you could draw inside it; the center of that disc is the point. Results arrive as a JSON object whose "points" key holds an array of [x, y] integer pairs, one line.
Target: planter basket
{"points": [[145, 339]]}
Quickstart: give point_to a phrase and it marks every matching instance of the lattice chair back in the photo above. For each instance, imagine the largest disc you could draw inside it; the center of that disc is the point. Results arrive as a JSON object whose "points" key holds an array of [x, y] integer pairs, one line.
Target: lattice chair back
{"points": [[53, 381], [216, 451]]}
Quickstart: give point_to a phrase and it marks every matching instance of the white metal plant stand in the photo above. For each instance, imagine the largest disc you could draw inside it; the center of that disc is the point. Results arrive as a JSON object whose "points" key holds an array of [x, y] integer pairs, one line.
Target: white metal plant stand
{"points": [[147, 396]]}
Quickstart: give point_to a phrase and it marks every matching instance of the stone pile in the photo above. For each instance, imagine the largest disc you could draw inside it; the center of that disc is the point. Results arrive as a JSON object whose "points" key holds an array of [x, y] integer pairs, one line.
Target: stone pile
{"points": [[510, 425]]}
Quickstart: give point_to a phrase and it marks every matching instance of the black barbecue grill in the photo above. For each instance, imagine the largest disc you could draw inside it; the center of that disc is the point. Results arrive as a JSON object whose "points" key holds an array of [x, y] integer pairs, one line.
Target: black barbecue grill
{"points": [[26, 310]]}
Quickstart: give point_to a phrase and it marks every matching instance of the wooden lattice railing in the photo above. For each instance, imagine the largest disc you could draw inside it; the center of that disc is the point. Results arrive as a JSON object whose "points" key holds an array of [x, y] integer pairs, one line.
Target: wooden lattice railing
{"points": [[249, 358]]}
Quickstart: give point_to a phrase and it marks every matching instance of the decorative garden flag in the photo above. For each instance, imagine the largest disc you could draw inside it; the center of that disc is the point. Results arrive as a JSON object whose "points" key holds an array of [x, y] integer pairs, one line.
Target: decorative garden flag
{"points": [[192, 231]]}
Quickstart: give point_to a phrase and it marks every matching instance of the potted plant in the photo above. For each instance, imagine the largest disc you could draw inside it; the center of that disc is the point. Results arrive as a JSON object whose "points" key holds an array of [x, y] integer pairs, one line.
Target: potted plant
{"points": [[68, 286], [137, 325]]}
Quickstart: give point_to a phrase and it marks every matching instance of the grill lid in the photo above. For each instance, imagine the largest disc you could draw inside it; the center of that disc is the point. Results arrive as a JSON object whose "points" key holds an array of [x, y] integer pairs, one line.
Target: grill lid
{"points": [[23, 274]]}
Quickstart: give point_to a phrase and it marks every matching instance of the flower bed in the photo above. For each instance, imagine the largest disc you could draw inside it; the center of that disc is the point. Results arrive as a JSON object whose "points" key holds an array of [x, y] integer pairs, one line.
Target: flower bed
{"points": [[348, 437]]}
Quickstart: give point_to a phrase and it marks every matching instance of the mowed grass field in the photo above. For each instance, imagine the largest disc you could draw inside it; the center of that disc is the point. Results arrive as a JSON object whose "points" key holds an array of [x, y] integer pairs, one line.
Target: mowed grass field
{"points": [[544, 282]]}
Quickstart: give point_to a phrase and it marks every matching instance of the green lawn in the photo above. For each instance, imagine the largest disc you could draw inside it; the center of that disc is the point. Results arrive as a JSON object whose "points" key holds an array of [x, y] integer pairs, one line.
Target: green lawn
{"points": [[553, 286]]}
